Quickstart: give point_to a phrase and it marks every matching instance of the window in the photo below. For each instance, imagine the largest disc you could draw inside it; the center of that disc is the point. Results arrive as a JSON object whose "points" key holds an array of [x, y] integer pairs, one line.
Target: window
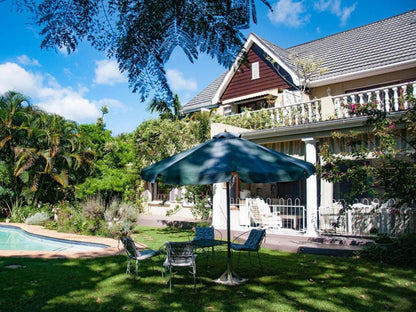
{"points": [[255, 71], [254, 105], [227, 110]]}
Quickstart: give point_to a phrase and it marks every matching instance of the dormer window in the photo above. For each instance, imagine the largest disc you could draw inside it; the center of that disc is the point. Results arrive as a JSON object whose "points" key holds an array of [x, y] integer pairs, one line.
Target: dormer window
{"points": [[255, 71]]}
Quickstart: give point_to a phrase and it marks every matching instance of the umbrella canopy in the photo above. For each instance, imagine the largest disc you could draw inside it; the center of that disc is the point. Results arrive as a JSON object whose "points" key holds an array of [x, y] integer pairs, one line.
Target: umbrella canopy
{"points": [[216, 160]]}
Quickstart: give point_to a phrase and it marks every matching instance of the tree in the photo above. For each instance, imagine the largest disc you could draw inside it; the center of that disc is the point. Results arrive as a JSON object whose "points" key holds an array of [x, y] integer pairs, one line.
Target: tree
{"points": [[104, 111], [15, 114], [142, 35], [164, 109], [114, 176], [155, 140], [307, 68], [48, 164], [40, 152]]}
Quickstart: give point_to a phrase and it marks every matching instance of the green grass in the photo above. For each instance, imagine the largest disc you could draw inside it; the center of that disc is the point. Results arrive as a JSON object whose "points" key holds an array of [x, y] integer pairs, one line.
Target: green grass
{"points": [[289, 282]]}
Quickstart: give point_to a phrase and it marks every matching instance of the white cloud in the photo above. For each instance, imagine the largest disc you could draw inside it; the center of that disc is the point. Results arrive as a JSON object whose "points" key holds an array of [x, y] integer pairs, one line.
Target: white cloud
{"points": [[289, 13], [346, 13], [322, 5], [334, 6], [15, 78], [68, 103], [26, 60], [178, 82], [107, 73], [45, 92]]}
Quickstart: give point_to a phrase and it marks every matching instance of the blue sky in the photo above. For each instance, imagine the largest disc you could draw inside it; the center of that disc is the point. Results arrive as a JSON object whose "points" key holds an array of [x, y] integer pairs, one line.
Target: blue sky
{"points": [[78, 85]]}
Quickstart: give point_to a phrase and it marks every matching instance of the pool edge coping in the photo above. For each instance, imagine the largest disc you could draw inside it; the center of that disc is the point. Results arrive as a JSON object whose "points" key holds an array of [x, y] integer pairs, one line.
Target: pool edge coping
{"points": [[114, 247]]}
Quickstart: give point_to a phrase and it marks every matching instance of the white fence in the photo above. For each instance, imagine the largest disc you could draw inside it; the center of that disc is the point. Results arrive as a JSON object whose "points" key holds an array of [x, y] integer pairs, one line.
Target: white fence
{"points": [[366, 218], [279, 214]]}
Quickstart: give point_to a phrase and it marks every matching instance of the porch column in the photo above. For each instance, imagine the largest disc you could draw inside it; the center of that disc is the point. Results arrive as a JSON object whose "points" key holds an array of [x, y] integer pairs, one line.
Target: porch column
{"points": [[219, 206], [311, 191]]}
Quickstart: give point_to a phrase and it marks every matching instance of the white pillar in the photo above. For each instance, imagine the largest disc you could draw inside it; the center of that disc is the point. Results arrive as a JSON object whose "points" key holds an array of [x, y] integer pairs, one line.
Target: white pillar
{"points": [[311, 191], [219, 206]]}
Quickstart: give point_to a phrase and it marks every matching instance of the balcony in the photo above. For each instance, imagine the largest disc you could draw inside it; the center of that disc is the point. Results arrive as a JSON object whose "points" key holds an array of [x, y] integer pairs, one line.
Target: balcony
{"points": [[388, 99]]}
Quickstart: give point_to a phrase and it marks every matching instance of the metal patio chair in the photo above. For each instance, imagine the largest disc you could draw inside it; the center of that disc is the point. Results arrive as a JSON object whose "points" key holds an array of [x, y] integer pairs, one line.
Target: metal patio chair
{"points": [[205, 238], [252, 244], [179, 254], [133, 253]]}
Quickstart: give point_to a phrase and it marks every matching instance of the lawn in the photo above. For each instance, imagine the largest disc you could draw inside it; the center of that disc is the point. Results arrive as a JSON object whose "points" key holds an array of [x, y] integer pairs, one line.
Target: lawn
{"points": [[288, 282]]}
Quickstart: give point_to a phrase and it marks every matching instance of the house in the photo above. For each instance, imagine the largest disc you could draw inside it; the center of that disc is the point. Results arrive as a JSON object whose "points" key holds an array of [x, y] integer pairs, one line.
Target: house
{"points": [[372, 63]]}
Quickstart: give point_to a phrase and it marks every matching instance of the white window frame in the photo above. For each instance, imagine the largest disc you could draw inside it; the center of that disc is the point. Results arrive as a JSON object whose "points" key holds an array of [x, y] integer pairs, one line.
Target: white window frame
{"points": [[255, 70]]}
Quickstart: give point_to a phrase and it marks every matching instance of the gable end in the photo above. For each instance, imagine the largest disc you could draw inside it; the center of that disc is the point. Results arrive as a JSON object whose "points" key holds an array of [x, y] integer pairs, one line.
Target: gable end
{"points": [[270, 76]]}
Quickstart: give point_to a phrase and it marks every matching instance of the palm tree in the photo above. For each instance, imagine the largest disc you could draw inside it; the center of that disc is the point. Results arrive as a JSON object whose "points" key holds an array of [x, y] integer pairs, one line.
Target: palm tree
{"points": [[49, 162], [15, 111], [166, 110], [15, 114], [43, 150]]}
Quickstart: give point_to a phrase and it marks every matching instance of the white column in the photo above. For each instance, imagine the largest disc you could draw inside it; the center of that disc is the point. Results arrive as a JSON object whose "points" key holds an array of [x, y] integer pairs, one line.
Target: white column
{"points": [[311, 191], [219, 206]]}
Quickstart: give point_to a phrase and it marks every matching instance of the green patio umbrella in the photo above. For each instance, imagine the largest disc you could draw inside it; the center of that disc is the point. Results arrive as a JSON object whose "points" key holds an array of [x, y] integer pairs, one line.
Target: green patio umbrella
{"points": [[216, 160]]}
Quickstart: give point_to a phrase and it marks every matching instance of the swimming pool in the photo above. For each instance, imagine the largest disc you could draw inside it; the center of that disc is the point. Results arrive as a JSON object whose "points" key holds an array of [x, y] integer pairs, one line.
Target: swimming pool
{"points": [[14, 238]]}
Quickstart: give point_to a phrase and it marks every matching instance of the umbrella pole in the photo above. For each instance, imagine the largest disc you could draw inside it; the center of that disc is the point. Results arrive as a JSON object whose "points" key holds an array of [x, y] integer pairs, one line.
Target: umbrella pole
{"points": [[229, 277]]}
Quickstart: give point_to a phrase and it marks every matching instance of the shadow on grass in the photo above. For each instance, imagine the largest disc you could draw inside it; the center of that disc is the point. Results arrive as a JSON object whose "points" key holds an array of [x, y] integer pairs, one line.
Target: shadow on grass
{"points": [[288, 282]]}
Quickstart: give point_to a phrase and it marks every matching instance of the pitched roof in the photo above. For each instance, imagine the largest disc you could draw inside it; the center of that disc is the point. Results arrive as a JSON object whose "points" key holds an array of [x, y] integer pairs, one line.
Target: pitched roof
{"points": [[365, 49], [386, 42], [204, 98]]}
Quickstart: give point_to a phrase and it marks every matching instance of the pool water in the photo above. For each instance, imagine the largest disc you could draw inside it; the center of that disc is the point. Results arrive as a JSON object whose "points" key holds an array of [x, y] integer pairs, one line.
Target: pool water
{"points": [[14, 238]]}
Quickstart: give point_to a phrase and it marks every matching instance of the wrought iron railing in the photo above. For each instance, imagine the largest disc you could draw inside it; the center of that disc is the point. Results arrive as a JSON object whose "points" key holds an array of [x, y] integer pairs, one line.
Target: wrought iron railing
{"points": [[286, 213]]}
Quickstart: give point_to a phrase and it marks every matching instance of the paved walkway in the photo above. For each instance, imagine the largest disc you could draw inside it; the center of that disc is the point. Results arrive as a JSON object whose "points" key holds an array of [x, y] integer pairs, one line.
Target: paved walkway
{"points": [[290, 241]]}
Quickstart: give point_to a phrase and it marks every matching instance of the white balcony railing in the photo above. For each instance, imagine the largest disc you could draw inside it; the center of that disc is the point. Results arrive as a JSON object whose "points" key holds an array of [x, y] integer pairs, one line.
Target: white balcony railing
{"points": [[388, 99], [288, 115]]}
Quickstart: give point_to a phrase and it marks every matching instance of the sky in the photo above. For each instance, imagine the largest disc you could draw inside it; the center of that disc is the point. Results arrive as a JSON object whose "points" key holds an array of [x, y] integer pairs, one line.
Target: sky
{"points": [[77, 85]]}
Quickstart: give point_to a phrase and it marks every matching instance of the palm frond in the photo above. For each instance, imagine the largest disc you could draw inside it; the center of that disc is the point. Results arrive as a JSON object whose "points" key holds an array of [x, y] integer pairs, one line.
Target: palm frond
{"points": [[5, 140], [62, 178]]}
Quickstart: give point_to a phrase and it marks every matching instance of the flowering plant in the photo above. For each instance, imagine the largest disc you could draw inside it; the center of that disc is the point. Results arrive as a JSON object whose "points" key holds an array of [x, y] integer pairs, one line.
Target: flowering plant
{"points": [[362, 109], [379, 161]]}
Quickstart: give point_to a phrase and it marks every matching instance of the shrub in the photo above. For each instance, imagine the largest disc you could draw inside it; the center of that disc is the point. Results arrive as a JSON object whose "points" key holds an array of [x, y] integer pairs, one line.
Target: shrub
{"points": [[38, 218], [20, 212], [394, 250], [121, 217], [94, 208], [69, 218]]}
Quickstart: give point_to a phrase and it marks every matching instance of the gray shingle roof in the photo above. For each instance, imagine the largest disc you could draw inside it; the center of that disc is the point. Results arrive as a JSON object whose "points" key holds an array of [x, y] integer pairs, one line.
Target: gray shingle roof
{"points": [[386, 42], [204, 98], [382, 43]]}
